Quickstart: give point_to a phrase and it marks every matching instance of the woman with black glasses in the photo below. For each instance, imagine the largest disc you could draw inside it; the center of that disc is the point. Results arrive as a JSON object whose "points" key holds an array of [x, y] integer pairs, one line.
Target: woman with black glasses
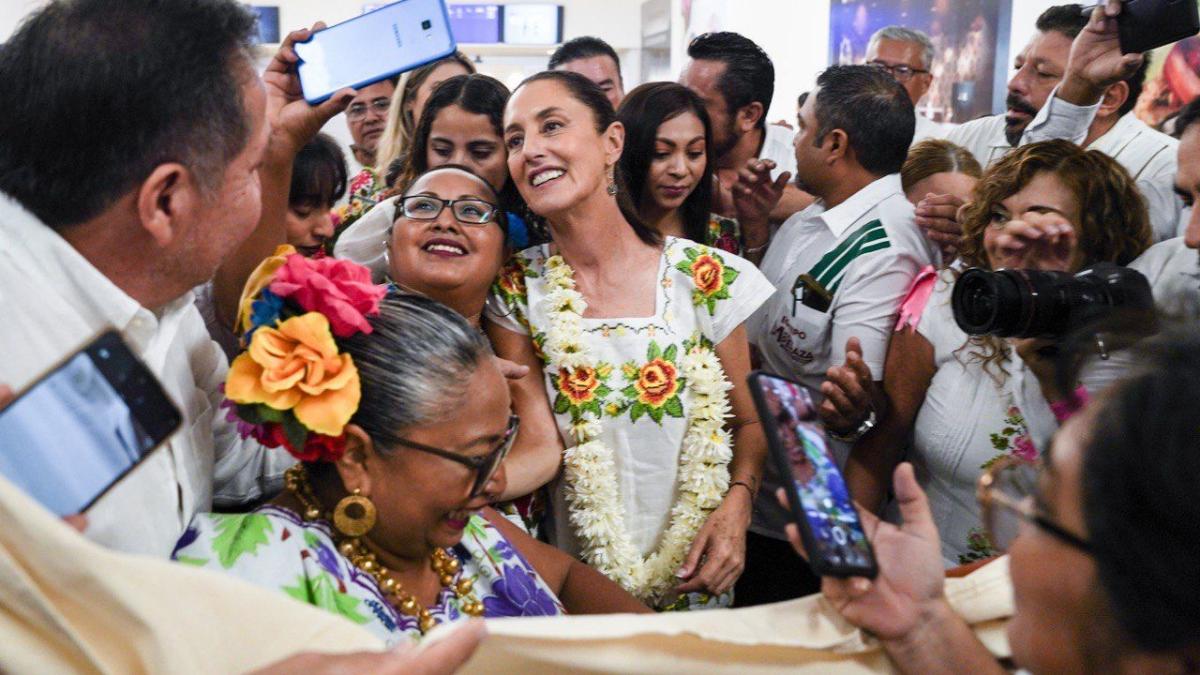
{"points": [[402, 421], [1101, 541]]}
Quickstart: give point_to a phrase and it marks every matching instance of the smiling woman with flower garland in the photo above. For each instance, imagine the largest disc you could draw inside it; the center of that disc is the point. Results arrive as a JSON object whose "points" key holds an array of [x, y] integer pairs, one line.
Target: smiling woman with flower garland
{"points": [[638, 360], [384, 521]]}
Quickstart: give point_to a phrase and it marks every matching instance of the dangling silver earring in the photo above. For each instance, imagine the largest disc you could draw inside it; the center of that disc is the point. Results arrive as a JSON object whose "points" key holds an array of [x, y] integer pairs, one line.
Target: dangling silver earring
{"points": [[612, 187]]}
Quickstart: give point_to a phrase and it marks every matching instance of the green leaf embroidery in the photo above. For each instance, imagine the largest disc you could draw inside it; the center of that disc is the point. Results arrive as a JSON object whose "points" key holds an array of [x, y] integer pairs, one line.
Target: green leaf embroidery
{"points": [[653, 351], [238, 535], [195, 562], [321, 591], [729, 275], [674, 407], [656, 414], [561, 405], [671, 353], [637, 410]]}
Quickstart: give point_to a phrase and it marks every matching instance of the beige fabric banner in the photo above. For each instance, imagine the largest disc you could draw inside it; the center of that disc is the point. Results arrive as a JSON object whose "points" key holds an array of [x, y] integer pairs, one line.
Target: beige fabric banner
{"points": [[67, 605]]}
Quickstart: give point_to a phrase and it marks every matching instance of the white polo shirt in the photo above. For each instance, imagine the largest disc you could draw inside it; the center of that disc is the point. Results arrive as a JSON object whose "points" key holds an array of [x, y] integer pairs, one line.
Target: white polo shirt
{"points": [[1151, 158], [927, 128], [865, 251], [985, 138], [1173, 271]]}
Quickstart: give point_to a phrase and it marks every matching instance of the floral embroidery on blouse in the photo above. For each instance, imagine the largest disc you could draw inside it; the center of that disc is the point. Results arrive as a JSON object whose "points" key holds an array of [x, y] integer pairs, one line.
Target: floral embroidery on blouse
{"points": [[654, 386], [274, 548], [710, 275], [1011, 441]]}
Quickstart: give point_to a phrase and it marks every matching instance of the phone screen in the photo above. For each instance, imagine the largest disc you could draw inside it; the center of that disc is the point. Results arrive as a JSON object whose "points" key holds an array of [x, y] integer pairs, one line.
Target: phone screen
{"points": [[834, 536], [67, 438], [374, 46]]}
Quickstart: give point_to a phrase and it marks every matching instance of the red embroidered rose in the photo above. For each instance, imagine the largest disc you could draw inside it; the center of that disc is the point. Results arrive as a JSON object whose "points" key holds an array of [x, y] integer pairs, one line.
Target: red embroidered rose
{"points": [[708, 274], [578, 385], [657, 382], [339, 289]]}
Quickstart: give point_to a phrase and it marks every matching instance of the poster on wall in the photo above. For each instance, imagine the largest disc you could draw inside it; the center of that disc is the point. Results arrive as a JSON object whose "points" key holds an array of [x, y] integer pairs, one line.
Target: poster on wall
{"points": [[1172, 79], [965, 36]]}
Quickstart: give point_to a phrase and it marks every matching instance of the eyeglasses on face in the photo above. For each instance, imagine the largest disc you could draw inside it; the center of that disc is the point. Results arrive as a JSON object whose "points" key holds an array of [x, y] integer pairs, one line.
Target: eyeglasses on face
{"points": [[358, 111], [466, 211], [901, 72], [485, 466], [1006, 494]]}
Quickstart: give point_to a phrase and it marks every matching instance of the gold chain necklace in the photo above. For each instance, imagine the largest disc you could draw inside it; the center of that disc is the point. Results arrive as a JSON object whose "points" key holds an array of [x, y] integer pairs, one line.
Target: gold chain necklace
{"points": [[353, 549]]}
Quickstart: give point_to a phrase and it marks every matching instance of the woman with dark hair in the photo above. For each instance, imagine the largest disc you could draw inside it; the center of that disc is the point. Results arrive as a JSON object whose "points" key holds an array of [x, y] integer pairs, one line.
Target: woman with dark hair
{"points": [[461, 126], [963, 400], [637, 359], [409, 101], [668, 164], [318, 181], [1101, 541], [400, 418]]}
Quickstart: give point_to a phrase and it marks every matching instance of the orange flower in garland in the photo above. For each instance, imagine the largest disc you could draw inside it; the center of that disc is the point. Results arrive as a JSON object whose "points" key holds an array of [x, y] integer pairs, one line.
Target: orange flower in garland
{"points": [[296, 366]]}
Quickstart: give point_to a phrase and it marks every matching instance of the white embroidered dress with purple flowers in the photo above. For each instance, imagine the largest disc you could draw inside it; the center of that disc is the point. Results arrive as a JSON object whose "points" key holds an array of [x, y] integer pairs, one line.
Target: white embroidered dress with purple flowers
{"points": [[275, 548]]}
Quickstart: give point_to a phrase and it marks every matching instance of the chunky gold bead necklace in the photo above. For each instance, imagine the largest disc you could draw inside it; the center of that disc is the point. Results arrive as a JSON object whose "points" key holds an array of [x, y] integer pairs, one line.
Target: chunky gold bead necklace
{"points": [[353, 549]]}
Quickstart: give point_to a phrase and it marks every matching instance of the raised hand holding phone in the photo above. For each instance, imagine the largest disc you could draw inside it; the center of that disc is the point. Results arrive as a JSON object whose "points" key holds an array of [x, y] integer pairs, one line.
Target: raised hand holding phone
{"points": [[74, 433], [819, 501]]}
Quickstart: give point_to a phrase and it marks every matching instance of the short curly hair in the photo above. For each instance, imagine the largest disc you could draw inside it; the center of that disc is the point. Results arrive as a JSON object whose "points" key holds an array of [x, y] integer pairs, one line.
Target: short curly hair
{"points": [[1113, 225]]}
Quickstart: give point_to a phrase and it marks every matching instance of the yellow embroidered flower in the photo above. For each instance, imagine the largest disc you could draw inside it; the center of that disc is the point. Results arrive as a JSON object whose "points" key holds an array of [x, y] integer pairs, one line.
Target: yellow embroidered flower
{"points": [[296, 366], [259, 279], [707, 274], [657, 382], [579, 384]]}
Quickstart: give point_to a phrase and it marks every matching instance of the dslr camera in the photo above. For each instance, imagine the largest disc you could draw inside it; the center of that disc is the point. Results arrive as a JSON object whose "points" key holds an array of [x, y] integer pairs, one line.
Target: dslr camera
{"points": [[1032, 303]]}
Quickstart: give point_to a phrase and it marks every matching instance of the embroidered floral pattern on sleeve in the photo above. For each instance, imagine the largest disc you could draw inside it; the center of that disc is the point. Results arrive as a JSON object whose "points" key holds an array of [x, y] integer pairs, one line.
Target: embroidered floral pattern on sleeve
{"points": [[710, 275]]}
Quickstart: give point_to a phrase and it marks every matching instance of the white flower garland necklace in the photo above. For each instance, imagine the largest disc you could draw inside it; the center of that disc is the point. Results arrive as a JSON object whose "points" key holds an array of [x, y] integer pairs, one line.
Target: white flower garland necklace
{"points": [[590, 473]]}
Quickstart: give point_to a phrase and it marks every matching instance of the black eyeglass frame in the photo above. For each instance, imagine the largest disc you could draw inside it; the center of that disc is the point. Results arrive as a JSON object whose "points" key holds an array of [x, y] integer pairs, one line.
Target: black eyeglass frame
{"points": [[448, 203], [990, 497], [477, 463]]}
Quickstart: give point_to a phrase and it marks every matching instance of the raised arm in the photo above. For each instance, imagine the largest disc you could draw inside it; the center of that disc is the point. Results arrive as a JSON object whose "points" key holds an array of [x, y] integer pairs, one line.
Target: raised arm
{"points": [[293, 123], [908, 370], [537, 454]]}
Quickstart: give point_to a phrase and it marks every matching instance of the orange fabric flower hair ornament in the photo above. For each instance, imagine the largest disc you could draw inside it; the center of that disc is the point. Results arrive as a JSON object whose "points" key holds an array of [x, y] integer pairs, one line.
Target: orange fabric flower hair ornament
{"points": [[292, 387]]}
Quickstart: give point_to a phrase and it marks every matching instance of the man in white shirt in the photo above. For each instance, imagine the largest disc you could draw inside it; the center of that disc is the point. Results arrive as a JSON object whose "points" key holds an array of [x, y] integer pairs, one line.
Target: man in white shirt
{"points": [[842, 265], [1053, 95], [907, 55], [113, 226], [736, 80]]}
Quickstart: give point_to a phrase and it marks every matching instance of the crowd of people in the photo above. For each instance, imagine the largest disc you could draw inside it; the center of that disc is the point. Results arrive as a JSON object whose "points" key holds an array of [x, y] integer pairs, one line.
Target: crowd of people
{"points": [[494, 362]]}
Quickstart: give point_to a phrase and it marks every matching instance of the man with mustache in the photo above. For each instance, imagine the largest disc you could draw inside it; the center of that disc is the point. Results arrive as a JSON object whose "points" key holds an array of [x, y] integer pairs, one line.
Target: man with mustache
{"points": [[1043, 102]]}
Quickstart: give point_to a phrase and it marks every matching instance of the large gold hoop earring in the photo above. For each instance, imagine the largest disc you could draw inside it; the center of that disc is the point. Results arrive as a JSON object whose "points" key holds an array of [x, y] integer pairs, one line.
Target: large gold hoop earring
{"points": [[354, 515]]}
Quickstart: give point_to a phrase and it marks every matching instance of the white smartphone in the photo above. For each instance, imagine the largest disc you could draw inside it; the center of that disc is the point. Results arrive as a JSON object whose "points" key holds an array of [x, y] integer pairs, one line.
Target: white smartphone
{"points": [[374, 46]]}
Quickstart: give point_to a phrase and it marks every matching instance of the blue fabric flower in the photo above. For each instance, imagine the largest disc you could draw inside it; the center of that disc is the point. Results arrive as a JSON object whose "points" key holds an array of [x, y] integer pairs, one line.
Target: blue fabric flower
{"points": [[517, 593], [264, 311]]}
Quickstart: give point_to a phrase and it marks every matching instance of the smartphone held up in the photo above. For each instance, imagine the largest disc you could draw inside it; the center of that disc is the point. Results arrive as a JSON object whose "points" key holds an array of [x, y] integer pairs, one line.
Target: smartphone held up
{"points": [[820, 504], [75, 432], [372, 47]]}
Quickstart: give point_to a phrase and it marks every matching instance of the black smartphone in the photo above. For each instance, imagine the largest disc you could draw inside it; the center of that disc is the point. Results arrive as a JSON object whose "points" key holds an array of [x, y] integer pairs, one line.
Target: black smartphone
{"points": [[820, 503], [75, 432], [1143, 25]]}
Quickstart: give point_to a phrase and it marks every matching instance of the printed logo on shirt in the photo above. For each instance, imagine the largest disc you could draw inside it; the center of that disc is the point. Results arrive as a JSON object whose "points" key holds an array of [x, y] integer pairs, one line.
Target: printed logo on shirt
{"points": [[786, 335]]}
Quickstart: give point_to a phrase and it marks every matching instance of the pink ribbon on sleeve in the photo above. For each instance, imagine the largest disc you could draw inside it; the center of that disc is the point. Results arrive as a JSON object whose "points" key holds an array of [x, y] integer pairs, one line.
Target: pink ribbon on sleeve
{"points": [[913, 305]]}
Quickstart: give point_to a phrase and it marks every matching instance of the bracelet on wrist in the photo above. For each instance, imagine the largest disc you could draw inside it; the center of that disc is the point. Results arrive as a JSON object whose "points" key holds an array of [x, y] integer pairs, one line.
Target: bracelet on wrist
{"points": [[744, 484]]}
